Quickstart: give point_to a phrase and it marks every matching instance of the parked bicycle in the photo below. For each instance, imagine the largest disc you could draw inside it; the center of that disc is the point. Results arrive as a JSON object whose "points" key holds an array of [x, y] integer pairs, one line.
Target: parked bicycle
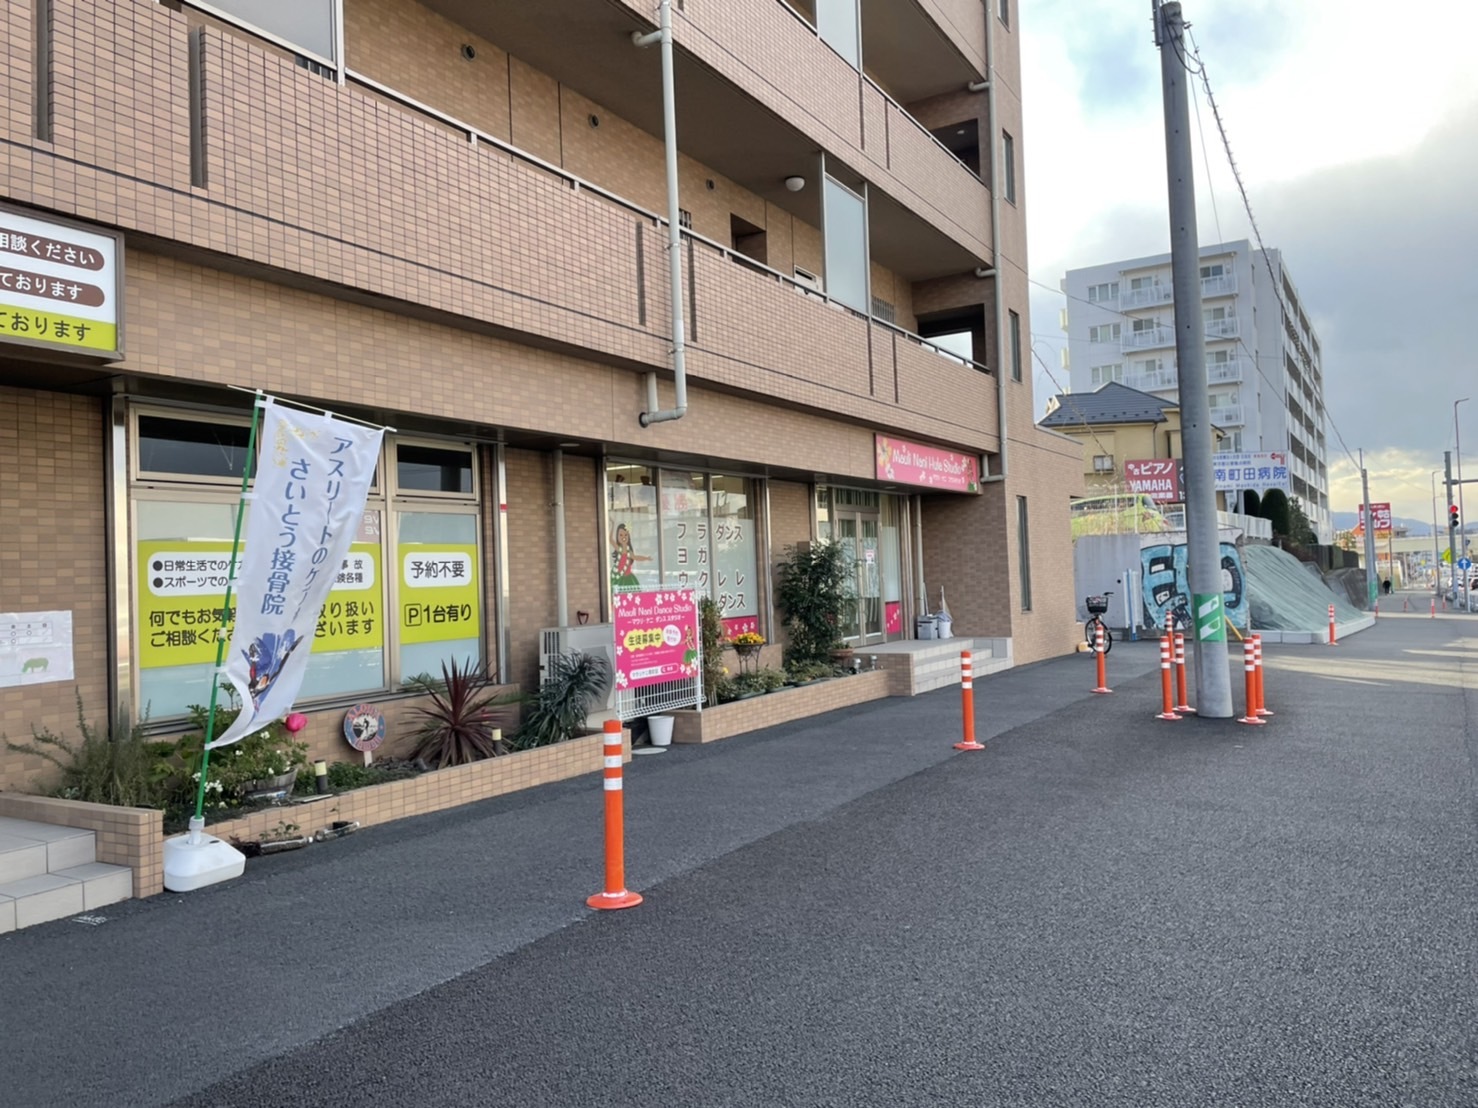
{"points": [[1097, 606]]}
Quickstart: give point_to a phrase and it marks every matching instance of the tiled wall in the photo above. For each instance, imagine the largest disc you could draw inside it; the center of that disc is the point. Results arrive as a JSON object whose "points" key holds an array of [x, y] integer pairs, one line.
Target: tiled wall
{"points": [[782, 706], [53, 557]]}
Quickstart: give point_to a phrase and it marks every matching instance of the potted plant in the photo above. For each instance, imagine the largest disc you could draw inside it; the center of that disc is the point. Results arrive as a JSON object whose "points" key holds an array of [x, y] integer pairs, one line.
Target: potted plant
{"points": [[711, 641], [747, 643], [262, 766]]}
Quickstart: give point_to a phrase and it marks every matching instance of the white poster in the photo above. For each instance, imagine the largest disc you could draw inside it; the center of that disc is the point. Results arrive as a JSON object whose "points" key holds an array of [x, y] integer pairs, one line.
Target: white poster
{"points": [[313, 475], [35, 647]]}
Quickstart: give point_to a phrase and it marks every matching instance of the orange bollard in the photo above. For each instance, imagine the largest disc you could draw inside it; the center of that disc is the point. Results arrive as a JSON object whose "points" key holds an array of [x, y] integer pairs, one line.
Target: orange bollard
{"points": [[1249, 667], [967, 699], [615, 894], [1331, 626], [1377, 609], [1262, 702], [1434, 607], [1180, 673], [1167, 698], [1102, 665]]}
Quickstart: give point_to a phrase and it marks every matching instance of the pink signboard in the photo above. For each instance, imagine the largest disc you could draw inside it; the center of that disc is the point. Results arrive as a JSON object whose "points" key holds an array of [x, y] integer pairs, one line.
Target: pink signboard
{"points": [[908, 463], [1157, 478], [656, 637], [738, 625], [1382, 516]]}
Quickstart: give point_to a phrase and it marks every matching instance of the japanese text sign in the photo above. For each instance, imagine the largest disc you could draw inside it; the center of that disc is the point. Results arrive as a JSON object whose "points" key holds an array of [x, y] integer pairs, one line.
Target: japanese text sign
{"points": [[656, 637], [1157, 478], [59, 286], [1381, 513], [313, 474], [1250, 471], [439, 599], [908, 463]]}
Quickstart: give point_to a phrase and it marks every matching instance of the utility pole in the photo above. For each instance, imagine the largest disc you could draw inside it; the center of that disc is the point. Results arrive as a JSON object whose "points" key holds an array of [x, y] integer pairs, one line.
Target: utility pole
{"points": [[1451, 530], [1372, 589], [1203, 544]]}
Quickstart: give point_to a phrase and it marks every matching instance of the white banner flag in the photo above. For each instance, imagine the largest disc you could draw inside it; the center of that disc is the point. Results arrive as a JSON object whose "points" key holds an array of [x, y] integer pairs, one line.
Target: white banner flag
{"points": [[313, 474]]}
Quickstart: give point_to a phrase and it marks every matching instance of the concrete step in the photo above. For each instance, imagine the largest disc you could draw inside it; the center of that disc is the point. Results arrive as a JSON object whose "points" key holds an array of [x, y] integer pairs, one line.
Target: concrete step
{"points": [[49, 872]]}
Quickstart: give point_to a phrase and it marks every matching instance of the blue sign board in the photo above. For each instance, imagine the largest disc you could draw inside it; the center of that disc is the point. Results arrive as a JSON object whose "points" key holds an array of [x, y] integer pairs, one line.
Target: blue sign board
{"points": [[1465, 564]]}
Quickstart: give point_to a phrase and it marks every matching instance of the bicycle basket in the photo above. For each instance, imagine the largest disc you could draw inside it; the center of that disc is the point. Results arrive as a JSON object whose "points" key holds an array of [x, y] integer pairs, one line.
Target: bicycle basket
{"points": [[1097, 605]]}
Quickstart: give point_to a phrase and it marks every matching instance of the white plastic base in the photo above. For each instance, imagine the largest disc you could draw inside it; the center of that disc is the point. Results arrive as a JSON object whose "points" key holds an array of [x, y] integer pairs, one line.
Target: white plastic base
{"points": [[191, 865]]}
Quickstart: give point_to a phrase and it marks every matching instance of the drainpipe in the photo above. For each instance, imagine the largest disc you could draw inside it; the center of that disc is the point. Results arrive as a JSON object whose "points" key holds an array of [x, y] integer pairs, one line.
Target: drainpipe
{"points": [[561, 582], [674, 230], [988, 86]]}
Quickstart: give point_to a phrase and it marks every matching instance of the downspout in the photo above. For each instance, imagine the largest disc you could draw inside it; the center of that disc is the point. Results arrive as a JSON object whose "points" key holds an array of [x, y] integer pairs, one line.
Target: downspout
{"points": [[561, 580], [988, 86], [674, 230]]}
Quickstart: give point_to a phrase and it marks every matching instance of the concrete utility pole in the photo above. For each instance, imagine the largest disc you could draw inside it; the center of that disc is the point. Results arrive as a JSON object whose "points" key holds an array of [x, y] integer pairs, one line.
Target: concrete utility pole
{"points": [[1203, 545], [1372, 587]]}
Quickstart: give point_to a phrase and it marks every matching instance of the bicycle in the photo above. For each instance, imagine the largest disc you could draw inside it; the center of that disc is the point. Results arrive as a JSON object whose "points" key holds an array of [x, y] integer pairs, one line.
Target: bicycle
{"points": [[1097, 606]]}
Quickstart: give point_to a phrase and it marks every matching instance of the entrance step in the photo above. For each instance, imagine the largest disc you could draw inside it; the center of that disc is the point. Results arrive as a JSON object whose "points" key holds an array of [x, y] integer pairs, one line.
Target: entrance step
{"points": [[49, 872]]}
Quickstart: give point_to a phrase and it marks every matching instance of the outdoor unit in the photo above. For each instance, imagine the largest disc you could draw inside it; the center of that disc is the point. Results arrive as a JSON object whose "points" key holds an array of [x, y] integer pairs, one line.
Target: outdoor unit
{"points": [[592, 638]]}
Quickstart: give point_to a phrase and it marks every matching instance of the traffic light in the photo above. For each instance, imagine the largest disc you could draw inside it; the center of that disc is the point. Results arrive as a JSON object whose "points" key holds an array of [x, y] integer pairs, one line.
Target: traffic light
{"points": [[1452, 520]]}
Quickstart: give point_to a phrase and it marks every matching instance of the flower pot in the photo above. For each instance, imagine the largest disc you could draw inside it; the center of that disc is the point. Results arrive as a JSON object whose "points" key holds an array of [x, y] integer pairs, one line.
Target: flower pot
{"points": [[660, 728], [270, 788], [747, 650]]}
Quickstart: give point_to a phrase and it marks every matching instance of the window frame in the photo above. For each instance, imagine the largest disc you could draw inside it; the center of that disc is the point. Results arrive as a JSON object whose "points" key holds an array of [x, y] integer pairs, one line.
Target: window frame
{"points": [[1008, 167], [336, 32], [1014, 326], [1024, 553]]}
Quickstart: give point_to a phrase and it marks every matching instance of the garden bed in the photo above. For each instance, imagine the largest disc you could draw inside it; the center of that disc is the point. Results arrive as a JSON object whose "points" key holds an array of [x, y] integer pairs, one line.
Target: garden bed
{"points": [[795, 702], [134, 837]]}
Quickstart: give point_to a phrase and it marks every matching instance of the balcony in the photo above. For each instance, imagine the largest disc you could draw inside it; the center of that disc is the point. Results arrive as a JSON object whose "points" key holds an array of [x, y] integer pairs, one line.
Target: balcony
{"points": [[1228, 415], [1147, 339], [1158, 381], [1228, 328], [1220, 373], [1151, 297], [1224, 284], [456, 222]]}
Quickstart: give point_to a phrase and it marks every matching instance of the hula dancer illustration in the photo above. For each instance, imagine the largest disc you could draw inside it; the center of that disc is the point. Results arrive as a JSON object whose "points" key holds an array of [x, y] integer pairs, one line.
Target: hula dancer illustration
{"points": [[265, 658], [623, 559]]}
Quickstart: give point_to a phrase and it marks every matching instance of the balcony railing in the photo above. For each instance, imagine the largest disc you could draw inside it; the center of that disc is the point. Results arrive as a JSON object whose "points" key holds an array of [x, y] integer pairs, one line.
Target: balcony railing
{"points": [[1228, 415], [1219, 373], [1158, 381], [1146, 297], [1223, 328], [1222, 285], [1146, 339]]}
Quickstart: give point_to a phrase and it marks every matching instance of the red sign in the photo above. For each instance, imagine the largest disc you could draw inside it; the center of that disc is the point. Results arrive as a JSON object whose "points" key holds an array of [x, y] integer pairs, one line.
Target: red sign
{"points": [[908, 463], [656, 637], [1157, 478], [1382, 515]]}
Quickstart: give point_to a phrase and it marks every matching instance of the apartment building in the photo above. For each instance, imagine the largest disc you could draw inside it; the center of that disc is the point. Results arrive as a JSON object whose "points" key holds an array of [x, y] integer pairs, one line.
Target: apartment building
{"points": [[448, 218], [1263, 359]]}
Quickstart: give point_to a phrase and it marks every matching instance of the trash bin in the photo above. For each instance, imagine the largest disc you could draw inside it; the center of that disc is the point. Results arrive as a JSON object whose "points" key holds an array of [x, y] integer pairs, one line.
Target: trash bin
{"points": [[926, 627], [943, 624]]}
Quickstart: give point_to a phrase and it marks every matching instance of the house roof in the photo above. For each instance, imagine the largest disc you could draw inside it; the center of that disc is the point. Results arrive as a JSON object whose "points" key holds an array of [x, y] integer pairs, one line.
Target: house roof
{"points": [[1108, 404]]}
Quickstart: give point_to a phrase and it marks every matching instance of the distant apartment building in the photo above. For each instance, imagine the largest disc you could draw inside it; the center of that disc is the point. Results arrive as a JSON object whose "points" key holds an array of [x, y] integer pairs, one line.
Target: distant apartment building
{"points": [[1263, 359]]}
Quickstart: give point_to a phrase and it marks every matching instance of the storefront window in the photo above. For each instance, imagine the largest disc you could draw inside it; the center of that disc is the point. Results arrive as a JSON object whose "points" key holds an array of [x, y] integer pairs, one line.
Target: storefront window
{"points": [[407, 597], [685, 530]]}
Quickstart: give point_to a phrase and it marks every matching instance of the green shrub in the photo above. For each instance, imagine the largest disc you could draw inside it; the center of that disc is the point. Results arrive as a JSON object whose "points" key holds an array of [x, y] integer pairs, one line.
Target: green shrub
{"points": [[131, 771], [557, 711], [814, 586]]}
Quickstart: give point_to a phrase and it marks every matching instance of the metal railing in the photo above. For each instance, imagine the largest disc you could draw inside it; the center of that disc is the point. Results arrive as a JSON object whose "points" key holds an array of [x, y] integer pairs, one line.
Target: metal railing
{"points": [[1144, 340], [1157, 381], [1228, 415], [1146, 297], [1223, 284], [1219, 373], [1228, 328]]}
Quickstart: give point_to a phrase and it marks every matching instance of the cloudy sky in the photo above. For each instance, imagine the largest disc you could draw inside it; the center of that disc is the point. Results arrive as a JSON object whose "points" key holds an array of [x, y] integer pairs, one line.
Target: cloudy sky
{"points": [[1355, 126]]}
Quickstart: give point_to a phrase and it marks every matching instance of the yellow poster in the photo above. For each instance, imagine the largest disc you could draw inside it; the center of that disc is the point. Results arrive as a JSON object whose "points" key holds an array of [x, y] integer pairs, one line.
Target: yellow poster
{"points": [[440, 597], [181, 586]]}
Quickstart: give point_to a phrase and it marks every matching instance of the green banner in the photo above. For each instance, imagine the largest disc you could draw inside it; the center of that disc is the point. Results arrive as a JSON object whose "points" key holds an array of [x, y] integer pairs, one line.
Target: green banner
{"points": [[1211, 623]]}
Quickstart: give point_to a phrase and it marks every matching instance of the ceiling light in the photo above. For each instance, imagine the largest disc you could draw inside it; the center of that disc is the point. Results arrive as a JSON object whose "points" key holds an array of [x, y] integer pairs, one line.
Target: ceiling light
{"points": [[795, 184]]}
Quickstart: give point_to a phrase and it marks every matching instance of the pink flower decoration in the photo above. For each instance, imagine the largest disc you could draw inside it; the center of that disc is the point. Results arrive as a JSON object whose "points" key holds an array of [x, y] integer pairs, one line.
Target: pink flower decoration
{"points": [[295, 722]]}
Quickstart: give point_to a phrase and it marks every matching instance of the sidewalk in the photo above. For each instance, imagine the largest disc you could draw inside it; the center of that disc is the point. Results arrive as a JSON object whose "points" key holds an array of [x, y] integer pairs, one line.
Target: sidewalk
{"points": [[1318, 869]]}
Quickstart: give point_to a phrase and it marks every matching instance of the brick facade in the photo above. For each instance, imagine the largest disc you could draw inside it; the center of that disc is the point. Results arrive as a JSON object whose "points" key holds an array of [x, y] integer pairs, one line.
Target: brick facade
{"points": [[354, 252]]}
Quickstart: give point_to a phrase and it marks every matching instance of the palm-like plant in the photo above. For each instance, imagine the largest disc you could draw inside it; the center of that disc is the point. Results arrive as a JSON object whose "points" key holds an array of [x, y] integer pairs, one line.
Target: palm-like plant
{"points": [[557, 711], [457, 725]]}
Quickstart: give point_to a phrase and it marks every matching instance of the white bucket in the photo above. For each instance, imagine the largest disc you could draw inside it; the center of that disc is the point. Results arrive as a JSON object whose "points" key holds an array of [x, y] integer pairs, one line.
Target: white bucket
{"points": [[661, 729]]}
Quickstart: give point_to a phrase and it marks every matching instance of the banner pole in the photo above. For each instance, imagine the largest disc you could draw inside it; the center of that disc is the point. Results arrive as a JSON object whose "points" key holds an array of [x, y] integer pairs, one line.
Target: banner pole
{"points": [[197, 824]]}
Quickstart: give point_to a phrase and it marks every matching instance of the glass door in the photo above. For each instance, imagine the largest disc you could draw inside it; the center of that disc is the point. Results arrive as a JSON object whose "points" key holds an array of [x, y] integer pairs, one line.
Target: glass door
{"points": [[857, 533]]}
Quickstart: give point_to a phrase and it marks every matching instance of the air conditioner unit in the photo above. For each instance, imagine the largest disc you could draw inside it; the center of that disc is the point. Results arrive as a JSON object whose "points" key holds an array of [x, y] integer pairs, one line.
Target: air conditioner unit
{"points": [[590, 638]]}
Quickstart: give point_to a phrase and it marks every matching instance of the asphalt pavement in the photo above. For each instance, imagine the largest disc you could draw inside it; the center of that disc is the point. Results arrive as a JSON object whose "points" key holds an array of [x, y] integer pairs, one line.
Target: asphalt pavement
{"points": [[1098, 909]]}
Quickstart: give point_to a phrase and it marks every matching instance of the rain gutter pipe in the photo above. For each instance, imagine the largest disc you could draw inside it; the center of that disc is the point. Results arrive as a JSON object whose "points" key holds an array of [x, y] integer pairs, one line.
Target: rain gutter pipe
{"points": [[652, 415], [988, 86]]}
